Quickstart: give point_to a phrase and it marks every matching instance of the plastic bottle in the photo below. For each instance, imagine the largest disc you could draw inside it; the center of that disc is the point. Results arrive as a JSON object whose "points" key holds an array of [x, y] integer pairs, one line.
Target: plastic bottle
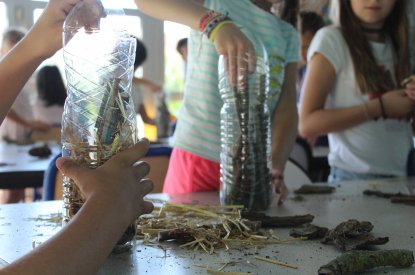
{"points": [[98, 119], [245, 161]]}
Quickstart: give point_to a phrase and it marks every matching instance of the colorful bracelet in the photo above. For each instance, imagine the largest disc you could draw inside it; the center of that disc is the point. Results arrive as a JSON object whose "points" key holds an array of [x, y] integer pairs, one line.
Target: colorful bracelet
{"points": [[215, 30], [205, 19], [382, 108]]}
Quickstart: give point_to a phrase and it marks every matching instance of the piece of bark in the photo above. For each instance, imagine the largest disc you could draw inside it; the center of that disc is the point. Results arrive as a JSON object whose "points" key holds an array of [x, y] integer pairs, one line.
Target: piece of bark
{"points": [[310, 231], [360, 261], [275, 221], [405, 199], [314, 189], [380, 194], [353, 234]]}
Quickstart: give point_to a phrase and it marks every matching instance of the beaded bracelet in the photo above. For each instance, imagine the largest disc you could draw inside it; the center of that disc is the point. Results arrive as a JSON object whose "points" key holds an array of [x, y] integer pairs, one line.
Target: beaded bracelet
{"points": [[211, 22], [215, 30], [382, 108], [205, 19]]}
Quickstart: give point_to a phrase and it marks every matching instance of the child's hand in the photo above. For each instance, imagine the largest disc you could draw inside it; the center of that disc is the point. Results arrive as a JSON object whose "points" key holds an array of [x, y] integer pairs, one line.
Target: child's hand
{"points": [[238, 51], [46, 35], [409, 86], [279, 185], [117, 183], [397, 104]]}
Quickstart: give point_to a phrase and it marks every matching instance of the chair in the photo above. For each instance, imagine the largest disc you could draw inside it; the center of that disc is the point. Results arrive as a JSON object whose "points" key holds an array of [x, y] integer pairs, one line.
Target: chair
{"points": [[410, 164], [158, 156], [294, 174], [302, 155], [52, 182]]}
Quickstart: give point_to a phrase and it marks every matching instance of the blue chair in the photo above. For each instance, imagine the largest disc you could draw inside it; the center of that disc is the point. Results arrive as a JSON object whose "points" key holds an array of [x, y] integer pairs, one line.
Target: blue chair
{"points": [[158, 156], [49, 180], [410, 164]]}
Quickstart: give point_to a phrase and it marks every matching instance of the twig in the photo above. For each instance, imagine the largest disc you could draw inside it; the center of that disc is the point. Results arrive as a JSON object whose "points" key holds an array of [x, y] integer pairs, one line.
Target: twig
{"points": [[275, 262]]}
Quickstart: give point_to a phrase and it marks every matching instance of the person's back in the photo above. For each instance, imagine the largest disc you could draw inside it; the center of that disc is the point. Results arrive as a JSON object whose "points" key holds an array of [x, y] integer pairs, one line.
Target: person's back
{"points": [[51, 95]]}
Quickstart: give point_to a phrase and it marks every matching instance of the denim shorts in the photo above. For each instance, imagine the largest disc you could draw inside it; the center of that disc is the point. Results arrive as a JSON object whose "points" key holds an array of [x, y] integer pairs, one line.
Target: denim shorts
{"points": [[338, 174]]}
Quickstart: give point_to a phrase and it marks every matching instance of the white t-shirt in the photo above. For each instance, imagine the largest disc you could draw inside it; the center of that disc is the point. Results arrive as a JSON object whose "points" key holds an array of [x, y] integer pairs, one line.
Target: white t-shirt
{"points": [[48, 114], [22, 105], [137, 97], [378, 147]]}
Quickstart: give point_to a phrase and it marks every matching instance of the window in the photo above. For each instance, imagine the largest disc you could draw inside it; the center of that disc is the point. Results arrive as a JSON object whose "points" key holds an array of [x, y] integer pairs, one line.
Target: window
{"points": [[4, 22], [174, 70]]}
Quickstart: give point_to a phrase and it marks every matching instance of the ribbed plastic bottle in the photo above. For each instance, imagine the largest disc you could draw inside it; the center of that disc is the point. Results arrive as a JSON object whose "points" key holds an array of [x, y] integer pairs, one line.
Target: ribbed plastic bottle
{"points": [[99, 119], [245, 160]]}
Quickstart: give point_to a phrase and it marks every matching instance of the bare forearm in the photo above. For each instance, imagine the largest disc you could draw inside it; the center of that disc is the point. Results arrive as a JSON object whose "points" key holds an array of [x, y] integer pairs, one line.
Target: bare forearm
{"points": [[88, 238], [14, 116], [284, 131], [285, 120], [321, 122], [16, 68], [185, 12]]}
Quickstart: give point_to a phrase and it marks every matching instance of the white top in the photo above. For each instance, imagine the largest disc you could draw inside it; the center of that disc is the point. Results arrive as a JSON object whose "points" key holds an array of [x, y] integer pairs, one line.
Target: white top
{"points": [[22, 106], [48, 114], [137, 97], [379, 147]]}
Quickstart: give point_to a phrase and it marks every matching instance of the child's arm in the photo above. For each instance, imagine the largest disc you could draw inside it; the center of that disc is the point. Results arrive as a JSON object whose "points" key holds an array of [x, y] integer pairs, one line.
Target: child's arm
{"points": [[284, 129], [33, 125], [144, 116], [150, 84], [42, 41], [315, 120], [114, 198], [229, 40]]}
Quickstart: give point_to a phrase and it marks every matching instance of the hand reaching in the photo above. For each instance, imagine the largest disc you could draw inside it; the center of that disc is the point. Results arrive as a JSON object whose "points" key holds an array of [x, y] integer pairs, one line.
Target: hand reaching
{"points": [[409, 86], [279, 185], [397, 104], [238, 51], [46, 35], [118, 182]]}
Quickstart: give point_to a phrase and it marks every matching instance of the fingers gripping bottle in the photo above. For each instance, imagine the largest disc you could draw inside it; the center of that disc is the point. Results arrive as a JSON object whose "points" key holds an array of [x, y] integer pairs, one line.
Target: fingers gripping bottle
{"points": [[98, 119], [245, 160]]}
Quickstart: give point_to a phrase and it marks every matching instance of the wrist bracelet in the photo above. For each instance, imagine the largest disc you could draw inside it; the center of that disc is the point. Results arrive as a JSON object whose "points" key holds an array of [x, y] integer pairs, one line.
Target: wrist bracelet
{"points": [[215, 30], [382, 108], [204, 20], [278, 175], [366, 111]]}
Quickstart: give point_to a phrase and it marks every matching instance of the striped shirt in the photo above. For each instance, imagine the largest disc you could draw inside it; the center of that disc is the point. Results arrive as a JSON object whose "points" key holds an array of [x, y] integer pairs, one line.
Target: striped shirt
{"points": [[198, 127]]}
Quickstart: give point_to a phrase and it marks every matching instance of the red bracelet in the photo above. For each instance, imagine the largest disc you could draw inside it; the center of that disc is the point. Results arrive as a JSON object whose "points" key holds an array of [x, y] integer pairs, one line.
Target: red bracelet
{"points": [[382, 108], [204, 20]]}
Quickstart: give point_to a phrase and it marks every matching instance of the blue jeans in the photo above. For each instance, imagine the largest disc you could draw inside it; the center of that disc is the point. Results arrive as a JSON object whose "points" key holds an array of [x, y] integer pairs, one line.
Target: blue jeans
{"points": [[338, 174]]}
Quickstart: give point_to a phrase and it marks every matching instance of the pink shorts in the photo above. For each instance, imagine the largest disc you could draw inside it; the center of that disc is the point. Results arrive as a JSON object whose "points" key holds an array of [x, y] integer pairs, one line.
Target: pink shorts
{"points": [[191, 173]]}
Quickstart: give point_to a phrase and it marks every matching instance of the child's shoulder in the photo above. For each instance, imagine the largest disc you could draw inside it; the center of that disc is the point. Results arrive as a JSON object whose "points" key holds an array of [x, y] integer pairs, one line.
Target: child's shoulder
{"points": [[331, 31]]}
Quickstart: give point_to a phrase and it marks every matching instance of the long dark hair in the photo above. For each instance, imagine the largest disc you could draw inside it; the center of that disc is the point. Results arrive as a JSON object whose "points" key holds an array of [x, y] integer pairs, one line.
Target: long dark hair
{"points": [[50, 86], [368, 74]]}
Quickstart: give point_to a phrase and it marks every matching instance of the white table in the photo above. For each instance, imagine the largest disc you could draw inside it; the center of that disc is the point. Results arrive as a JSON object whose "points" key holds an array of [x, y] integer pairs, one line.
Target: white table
{"points": [[20, 227]]}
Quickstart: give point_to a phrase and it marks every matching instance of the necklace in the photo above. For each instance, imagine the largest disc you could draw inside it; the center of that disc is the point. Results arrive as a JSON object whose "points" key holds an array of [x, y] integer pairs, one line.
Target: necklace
{"points": [[369, 30]]}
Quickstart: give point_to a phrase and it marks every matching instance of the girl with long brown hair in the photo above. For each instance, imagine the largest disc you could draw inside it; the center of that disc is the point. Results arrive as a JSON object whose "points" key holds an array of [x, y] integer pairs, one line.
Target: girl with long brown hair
{"points": [[353, 91]]}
